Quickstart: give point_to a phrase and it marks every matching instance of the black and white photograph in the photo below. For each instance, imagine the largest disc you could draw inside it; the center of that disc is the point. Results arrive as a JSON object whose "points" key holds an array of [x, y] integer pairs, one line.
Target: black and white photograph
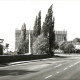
{"points": [[39, 39]]}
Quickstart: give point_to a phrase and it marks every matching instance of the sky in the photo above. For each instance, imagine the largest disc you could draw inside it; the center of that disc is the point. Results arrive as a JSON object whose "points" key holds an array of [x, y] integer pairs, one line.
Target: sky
{"points": [[13, 13]]}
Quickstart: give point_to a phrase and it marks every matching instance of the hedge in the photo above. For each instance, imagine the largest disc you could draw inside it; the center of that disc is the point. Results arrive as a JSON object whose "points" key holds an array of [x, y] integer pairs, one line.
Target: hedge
{"points": [[15, 58]]}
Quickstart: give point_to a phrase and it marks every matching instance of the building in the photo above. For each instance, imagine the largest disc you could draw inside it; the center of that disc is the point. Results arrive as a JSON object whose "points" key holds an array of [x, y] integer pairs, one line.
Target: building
{"points": [[59, 36]]}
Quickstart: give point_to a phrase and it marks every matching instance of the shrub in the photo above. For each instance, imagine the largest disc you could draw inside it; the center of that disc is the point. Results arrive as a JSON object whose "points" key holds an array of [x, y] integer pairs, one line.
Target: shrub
{"points": [[40, 46], [23, 47], [56, 46], [67, 47]]}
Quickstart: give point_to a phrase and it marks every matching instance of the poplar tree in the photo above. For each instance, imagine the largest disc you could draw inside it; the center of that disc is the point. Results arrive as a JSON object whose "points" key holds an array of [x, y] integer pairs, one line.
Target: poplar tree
{"points": [[37, 25], [50, 28], [53, 38], [23, 32], [45, 27], [22, 47]]}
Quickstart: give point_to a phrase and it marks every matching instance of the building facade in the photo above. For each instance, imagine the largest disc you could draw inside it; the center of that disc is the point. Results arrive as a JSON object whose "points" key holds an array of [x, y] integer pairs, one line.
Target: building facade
{"points": [[59, 36]]}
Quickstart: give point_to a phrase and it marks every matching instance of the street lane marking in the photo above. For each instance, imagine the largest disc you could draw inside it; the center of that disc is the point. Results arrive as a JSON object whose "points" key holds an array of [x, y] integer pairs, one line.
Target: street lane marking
{"points": [[70, 65], [74, 64], [77, 62], [65, 68], [58, 65], [48, 77], [57, 72], [61, 71]]}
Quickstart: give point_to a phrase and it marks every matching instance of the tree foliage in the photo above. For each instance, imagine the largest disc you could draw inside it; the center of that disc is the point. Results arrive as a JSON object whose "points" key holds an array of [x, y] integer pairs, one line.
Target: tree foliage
{"points": [[45, 27], [48, 30], [1, 49], [37, 25], [56, 46], [23, 42], [23, 47], [76, 40], [40, 46], [67, 47], [23, 32]]}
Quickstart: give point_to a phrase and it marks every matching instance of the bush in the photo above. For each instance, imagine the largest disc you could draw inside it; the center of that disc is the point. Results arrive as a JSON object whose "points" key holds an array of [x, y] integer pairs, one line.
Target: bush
{"points": [[40, 46], [23, 47], [67, 47], [62, 46], [1, 49], [56, 46]]}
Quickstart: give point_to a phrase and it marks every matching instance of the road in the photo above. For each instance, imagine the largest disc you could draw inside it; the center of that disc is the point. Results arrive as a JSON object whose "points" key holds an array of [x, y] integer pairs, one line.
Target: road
{"points": [[62, 67]]}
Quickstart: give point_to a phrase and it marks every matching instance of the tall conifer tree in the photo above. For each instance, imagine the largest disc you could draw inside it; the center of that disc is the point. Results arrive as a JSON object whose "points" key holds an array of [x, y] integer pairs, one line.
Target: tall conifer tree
{"points": [[48, 30], [51, 34], [37, 25], [45, 27]]}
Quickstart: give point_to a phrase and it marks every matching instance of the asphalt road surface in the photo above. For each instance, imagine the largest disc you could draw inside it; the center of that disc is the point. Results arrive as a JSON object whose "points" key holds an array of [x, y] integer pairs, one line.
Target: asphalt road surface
{"points": [[62, 67]]}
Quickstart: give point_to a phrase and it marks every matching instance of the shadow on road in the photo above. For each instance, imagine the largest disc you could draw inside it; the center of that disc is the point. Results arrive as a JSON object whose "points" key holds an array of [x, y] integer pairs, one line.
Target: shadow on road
{"points": [[57, 56], [4, 65], [15, 72]]}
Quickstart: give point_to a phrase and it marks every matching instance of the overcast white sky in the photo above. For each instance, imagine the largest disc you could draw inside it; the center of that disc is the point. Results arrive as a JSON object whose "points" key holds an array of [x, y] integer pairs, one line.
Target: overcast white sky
{"points": [[13, 13]]}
